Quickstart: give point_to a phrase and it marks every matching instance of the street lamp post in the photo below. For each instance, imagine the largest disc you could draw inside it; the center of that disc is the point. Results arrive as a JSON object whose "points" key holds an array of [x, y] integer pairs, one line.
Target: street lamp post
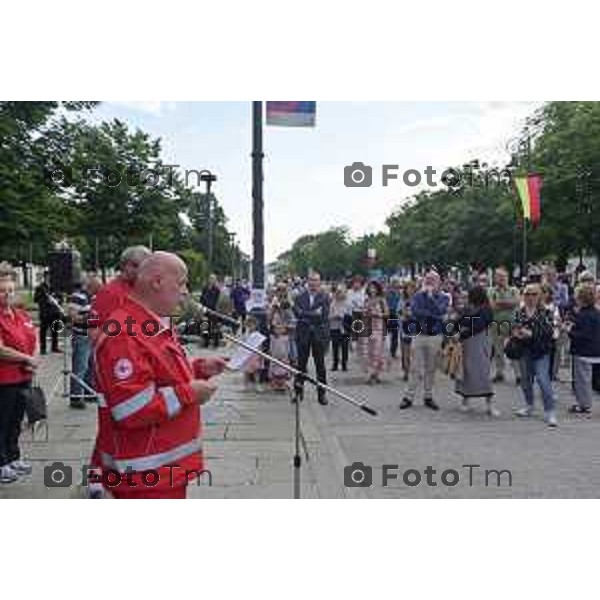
{"points": [[232, 245], [209, 178]]}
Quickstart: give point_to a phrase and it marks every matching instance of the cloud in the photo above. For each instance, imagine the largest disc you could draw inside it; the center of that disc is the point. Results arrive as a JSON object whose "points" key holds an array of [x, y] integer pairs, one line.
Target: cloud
{"points": [[156, 108]]}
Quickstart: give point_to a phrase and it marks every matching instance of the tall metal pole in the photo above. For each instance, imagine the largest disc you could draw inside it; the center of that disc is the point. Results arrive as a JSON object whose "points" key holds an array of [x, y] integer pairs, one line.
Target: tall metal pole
{"points": [[30, 267], [209, 178], [525, 221], [210, 231], [258, 247]]}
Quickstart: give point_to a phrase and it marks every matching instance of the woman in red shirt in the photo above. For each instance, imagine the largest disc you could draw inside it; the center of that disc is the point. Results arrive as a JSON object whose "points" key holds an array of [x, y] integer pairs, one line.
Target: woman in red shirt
{"points": [[17, 363]]}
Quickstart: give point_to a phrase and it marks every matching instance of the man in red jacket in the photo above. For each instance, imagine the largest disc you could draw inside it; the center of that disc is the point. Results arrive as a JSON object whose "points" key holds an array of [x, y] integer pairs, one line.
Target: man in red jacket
{"points": [[149, 428], [112, 295]]}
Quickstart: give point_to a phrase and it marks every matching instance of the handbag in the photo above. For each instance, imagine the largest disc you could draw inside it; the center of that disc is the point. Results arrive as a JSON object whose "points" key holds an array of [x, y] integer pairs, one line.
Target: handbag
{"points": [[513, 350], [36, 410], [36, 407], [452, 360]]}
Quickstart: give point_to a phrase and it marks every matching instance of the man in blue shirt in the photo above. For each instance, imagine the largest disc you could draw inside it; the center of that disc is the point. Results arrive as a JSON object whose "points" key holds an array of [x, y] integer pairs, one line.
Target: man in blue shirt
{"points": [[394, 302], [429, 308]]}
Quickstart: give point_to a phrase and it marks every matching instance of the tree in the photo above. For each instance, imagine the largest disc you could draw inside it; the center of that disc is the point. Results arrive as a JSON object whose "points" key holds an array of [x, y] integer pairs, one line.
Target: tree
{"points": [[121, 191], [197, 267], [31, 213], [567, 154]]}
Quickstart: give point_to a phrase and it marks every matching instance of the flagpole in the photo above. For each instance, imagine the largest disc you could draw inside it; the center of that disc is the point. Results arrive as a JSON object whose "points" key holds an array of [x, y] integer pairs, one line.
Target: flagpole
{"points": [[524, 267], [526, 221]]}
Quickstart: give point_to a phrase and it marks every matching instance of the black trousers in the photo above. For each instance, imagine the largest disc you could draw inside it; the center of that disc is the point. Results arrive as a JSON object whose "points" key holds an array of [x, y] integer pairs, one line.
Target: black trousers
{"points": [[339, 341], [316, 347], [240, 316], [45, 325], [393, 330], [212, 332], [12, 411]]}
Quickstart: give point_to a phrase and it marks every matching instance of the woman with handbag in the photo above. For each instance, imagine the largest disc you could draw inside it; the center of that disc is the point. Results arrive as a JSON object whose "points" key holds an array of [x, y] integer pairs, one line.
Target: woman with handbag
{"points": [[533, 333], [476, 380], [17, 364]]}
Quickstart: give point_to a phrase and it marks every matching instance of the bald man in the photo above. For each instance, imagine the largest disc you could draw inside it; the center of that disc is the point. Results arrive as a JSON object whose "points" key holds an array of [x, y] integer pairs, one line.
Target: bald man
{"points": [[149, 428], [112, 295]]}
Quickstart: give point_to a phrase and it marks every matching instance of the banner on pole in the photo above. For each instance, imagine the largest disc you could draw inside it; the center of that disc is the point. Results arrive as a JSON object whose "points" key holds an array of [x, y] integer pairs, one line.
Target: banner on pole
{"points": [[298, 113], [528, 189]]}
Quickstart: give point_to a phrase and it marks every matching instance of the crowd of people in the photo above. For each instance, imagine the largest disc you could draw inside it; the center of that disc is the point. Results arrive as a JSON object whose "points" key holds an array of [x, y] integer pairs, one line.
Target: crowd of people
{"points": [[543, 329]]}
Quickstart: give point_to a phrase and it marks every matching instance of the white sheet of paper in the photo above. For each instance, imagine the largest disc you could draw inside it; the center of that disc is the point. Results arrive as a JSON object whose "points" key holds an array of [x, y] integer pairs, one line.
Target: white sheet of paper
{"points": [[241, 355]]}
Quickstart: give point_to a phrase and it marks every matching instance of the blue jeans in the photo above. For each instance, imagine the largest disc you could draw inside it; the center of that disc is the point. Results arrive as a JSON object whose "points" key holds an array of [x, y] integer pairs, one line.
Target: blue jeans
{"points": [[537, 369], [80, 364]]}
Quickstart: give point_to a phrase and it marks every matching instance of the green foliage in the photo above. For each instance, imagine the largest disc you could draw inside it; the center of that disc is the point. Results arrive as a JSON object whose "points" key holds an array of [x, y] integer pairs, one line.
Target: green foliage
{"points": [[116, 190], [197, 267], [567, 154], [478, 224]]}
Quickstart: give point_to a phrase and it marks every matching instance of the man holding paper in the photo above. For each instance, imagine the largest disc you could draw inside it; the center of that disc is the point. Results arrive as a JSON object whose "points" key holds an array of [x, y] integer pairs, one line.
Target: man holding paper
{"points": [[149, 393]]}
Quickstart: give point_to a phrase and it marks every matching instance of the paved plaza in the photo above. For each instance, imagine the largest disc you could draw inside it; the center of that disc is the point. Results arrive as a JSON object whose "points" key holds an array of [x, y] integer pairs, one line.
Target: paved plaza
{"points": [[248, 441]]}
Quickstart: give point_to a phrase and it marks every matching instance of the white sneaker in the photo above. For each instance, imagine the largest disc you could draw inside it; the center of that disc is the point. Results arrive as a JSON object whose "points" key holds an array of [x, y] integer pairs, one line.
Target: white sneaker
{"points": [[550, 419], [21, 467], [465, 406], [8, 474], [492, 411], [95, 491], [526, 411]]}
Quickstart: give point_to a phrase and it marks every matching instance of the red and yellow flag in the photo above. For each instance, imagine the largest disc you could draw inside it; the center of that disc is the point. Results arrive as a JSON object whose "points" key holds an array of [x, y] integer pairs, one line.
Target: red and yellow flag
{"points": [[528, 189]]}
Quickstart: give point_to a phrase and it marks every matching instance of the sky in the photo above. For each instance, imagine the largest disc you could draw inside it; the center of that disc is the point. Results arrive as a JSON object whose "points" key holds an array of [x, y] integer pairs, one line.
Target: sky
{"points": [[304, 189]]}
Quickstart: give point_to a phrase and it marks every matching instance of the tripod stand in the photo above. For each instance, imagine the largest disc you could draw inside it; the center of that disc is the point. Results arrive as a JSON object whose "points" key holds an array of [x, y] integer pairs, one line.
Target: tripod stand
{"points": [[67, 373], [299, 439]]}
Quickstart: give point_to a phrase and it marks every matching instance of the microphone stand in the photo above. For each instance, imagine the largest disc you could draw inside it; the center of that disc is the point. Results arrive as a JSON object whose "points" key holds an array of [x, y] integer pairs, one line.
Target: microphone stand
{"points": [[295, 392]]}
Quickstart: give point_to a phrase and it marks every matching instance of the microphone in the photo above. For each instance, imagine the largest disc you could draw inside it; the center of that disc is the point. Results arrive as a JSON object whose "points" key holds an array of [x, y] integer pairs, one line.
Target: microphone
{"points": [[204, 310]]}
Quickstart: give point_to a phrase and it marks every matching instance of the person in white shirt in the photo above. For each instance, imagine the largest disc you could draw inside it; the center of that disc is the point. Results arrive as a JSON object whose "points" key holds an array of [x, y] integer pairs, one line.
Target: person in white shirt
{"points": [[356, 304]]}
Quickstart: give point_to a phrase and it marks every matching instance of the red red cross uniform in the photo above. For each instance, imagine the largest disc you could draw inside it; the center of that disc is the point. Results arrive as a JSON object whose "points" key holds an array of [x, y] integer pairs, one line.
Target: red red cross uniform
{"points": [[109, 298], [149, 422], [16, 331]]}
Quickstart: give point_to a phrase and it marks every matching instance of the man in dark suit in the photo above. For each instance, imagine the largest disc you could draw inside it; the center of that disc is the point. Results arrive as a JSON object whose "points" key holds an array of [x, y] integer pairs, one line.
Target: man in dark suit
{"points": [[311, 308], [210, 298]]}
